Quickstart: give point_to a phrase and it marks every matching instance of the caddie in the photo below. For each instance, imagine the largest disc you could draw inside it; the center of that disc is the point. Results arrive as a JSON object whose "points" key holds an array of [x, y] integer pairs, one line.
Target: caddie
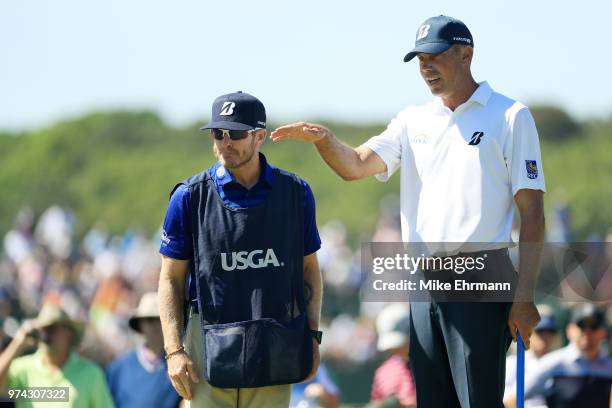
{"points": [[466, 158], [239, 270]]}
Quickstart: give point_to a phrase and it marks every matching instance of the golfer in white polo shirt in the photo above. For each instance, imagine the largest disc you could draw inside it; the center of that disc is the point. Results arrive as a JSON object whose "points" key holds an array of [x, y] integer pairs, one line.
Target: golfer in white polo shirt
{"points": [[465, 159]]}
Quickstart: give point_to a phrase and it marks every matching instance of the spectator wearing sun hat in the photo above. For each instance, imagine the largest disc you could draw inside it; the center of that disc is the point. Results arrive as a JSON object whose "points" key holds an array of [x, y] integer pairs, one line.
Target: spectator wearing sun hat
{"points": [[139, 377], [55, 363], [393, 379]]}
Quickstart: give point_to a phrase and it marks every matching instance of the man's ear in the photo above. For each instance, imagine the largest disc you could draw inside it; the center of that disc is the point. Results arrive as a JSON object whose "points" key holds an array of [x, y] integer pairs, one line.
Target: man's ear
{"points": [[261, 135], [467, 53]]}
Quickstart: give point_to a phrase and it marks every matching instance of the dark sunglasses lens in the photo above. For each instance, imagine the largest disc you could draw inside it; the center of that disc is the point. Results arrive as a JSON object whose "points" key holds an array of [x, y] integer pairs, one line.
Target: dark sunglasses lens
{"points": [[588, 326], [233, 134], [217, 133], [238, 134]]}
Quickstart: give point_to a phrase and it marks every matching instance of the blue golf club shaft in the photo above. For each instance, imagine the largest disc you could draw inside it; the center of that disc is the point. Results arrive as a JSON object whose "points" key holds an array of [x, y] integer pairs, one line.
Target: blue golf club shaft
{"points": [[520, 371]]}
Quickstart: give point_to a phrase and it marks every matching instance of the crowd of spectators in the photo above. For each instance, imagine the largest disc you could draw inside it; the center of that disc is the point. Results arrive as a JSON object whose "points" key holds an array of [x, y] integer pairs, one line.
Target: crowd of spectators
{"points": [[100, 278]]}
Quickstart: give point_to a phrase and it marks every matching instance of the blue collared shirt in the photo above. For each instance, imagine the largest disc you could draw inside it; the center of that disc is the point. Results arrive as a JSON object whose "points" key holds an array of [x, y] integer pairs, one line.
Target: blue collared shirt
{"points": [[565, 362], [177, 242]]}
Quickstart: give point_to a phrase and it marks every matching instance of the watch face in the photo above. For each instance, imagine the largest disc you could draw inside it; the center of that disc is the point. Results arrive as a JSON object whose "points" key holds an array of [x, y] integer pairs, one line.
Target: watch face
{"points": [[317, 335]]}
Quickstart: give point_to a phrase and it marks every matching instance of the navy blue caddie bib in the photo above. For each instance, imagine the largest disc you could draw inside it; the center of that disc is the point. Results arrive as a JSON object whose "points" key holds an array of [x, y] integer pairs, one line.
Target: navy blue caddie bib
{"points": [[248, 269]]}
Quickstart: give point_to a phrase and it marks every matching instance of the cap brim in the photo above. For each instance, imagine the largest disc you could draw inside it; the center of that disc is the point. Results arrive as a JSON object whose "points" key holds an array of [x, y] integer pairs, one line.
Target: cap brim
{"points": [[428, 48], [227, 125], [133, 322], [76, 325], [545, 327]]}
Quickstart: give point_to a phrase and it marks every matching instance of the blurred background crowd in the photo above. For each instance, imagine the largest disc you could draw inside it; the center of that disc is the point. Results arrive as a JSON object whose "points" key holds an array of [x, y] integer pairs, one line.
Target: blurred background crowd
{"points": [[100, 278]]}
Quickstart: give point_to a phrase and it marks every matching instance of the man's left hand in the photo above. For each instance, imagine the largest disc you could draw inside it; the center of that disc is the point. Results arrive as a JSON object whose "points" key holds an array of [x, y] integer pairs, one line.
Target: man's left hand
{"points": [[316, 360], [524, 316]]}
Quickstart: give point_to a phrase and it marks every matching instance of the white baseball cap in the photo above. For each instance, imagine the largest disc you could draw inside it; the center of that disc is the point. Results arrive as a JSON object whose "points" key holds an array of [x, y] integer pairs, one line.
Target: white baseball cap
{"points": [[393, 326], [148, 308]]}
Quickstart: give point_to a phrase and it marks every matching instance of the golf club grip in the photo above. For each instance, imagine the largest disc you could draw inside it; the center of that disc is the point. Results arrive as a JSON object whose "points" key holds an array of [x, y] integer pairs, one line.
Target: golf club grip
{"points": [[520, 371]]}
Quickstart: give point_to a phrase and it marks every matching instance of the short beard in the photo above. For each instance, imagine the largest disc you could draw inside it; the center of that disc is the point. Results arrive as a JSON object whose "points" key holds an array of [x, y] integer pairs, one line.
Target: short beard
{"points": [[249, 156]]}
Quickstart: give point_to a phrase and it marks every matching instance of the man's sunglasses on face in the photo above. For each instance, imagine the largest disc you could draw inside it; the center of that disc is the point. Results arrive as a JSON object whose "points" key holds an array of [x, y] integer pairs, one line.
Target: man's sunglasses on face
{"points": [[589, 326], [219, 134]]}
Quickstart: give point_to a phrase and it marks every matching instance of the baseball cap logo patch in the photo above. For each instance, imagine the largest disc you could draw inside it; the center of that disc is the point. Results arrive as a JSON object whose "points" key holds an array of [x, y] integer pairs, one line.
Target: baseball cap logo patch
{"points": [[423, 31], [227, 109]]}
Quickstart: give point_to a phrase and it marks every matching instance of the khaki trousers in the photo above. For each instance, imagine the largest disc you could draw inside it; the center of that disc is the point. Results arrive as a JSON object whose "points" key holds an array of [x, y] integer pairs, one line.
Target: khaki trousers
{"points": [[207, 396]]}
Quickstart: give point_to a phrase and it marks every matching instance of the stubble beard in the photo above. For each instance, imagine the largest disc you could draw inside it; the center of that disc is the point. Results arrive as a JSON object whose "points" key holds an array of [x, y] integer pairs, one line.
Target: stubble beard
{"points": [[242, 159]]}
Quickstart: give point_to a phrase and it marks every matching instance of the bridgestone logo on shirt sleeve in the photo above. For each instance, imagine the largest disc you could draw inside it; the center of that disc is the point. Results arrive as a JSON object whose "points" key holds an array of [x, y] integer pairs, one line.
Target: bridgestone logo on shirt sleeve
{"points": [[243, 259]]}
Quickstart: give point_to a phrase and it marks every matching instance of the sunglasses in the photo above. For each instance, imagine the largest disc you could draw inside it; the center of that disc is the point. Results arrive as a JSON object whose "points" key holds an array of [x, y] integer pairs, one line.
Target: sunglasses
{"points": [[592, 326], [219, 134]]}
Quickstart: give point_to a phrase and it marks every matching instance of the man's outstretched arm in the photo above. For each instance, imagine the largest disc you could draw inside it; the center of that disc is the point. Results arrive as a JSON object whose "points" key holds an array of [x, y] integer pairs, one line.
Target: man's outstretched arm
{"points": [[348, 162]]}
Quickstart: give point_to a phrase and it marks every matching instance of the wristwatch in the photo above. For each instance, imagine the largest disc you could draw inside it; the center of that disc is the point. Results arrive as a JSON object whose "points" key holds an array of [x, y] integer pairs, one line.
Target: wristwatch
{"points": [[317, 335]]}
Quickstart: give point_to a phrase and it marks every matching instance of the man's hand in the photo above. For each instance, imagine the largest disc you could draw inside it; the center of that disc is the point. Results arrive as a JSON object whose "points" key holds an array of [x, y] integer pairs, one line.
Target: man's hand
{"points": [[25, 335], [182, 373], [304, 131], [316, 361], [524, 316], [322, 397], [348, 162]]}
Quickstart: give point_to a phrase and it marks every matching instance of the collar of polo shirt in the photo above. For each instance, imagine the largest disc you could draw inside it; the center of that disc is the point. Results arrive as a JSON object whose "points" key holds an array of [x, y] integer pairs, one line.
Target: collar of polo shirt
{"points": [[481, 95], [223, 176]]}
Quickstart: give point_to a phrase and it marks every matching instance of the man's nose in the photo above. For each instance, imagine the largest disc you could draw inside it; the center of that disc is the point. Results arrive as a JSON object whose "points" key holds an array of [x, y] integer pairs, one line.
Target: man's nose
{"points": [[425, 66], [227, 141]]}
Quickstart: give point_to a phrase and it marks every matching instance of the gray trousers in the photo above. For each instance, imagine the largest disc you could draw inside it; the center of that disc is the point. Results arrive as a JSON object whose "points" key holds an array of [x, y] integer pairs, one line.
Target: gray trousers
{"points": [[458, 353]]}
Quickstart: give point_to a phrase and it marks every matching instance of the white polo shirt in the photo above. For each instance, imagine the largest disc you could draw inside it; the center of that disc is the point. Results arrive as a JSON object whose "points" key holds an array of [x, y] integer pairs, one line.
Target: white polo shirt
{"points": [[460, 170]]}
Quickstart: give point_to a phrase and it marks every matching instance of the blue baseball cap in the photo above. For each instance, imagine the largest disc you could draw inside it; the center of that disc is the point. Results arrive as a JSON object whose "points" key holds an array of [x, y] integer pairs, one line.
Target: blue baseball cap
{"points": [[547, 322], [237, 111], [438, 34], [547, 319]]}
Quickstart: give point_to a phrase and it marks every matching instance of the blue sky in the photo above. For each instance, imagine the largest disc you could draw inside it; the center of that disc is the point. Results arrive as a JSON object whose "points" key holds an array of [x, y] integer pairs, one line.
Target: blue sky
{"points": [[305, 60]]}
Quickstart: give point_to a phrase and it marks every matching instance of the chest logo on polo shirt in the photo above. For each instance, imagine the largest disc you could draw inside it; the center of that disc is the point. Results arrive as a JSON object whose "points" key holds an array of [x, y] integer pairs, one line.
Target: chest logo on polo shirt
{"points": [[421, 138], [475, 140], [255, 259]]}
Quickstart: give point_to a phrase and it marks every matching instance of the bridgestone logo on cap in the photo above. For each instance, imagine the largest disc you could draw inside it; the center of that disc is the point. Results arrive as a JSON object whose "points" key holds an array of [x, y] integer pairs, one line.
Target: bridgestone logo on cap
{"points": [[227, 109]]}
